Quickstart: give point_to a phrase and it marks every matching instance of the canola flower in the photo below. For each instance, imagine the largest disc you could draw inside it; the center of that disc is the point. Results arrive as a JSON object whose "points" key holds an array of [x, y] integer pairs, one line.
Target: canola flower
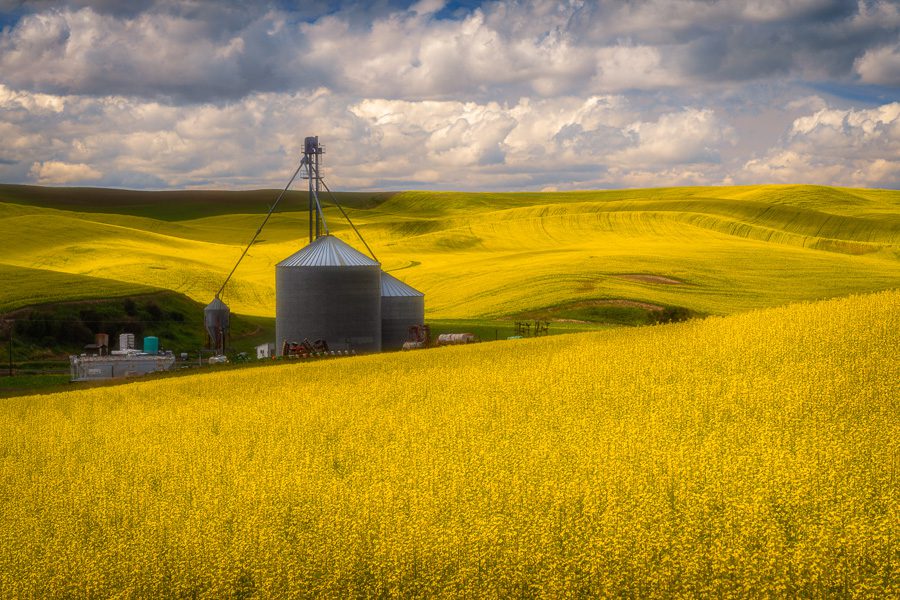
{"points": [[743, 456]]}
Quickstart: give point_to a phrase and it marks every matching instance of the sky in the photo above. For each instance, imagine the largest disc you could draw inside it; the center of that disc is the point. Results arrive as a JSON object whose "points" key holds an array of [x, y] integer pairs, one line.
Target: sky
{"points": [[467, 95]]}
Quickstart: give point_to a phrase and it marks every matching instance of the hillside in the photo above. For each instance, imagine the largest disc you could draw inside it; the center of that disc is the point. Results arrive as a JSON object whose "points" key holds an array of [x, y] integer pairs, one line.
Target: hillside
{"points": [[57, 329], [750, 454], [483, 256]]}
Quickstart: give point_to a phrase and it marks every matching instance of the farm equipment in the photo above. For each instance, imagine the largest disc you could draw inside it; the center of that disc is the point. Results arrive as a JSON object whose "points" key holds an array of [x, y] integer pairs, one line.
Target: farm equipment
{"points": [[304, 349], [523, 328], [419, 337]]}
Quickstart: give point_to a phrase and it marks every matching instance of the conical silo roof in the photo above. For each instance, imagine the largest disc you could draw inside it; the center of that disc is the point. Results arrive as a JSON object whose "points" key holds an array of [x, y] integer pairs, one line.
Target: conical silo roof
{"points": [[391, 286], [216, 305], [328, 251], [216, 315]]}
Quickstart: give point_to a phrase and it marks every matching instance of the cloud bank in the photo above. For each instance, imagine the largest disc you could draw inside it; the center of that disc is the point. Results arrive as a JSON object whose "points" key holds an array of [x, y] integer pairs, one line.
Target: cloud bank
{"points": [[495, 95]]}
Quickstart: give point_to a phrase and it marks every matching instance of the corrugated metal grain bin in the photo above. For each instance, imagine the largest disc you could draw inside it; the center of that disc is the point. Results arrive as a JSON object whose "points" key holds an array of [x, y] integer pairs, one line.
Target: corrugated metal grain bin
{"points": [[401, 307], [328, 291], [217, 320]]}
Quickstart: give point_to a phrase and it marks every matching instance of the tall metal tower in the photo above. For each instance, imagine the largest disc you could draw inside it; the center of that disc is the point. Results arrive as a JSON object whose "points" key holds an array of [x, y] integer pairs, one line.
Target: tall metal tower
{"points": [[312, 150]]}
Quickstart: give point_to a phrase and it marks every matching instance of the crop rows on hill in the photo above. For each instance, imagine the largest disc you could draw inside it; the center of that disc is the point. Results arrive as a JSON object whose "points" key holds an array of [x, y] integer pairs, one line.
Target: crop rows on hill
{"points": [[482, 256]]}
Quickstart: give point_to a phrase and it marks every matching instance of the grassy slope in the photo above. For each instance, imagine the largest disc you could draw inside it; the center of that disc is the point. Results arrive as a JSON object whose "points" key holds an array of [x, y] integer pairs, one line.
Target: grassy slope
{"points": [[21, 286], [752, 454], [177, 321], [484, 255]]}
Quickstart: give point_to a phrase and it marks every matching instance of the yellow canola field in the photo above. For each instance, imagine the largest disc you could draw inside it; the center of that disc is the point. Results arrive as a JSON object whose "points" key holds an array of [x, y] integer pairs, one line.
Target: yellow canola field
{"points": [[750, 455], [495, 255]]}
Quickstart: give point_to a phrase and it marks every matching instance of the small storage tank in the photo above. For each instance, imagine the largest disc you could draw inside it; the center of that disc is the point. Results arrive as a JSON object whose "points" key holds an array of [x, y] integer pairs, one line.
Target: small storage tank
{"points": [[402, 306], [151, 344], [328, 291], [216, 318]]}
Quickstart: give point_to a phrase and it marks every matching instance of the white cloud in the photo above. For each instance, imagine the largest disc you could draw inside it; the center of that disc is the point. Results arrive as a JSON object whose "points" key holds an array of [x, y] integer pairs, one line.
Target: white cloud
{"points": [[530, 48], [689, 136], [56, 172], [151, 54], [880, 65], [637, 67], [774, 10], [406, 56], [454, 134], [526, 94], [788, 166], [840, 147], [501, 51], [806, 104], [567, 142], [31, 102], [861, 134], [427, 7]]}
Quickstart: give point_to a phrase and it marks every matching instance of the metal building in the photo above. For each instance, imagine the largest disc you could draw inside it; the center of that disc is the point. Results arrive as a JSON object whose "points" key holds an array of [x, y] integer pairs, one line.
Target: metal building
{"points": [[122, 363], [328, 291], [266, 350], [402, 306], [216, 319]]}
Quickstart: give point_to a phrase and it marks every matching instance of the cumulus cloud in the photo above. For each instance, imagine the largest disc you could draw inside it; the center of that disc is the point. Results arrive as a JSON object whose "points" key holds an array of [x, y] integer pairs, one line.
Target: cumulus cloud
{"points": [[424, 93], [842, 147], [149, 55], [215, 52], [569, 141], [880, 65], [254, 142], [56, 172], [869, 134], [687, 137], [633, 67], [11, 100]]}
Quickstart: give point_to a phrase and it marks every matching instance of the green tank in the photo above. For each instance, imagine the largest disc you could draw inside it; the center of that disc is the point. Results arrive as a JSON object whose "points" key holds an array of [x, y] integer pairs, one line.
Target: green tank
{"points": [[151, 344]]}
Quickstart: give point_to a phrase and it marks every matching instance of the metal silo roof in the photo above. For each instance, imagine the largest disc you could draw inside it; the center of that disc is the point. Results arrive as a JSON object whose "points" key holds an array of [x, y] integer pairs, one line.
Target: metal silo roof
{"points": [[328, 251], [391, 286]]}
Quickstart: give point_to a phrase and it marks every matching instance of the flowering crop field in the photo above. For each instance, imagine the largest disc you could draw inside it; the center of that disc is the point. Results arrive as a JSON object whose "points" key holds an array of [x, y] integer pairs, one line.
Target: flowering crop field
{"points": [[748, 455], [716, 250]]}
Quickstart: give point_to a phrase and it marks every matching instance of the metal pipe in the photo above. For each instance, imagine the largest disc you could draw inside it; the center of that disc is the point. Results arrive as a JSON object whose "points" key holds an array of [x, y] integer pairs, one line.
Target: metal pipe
{"points": [[318, 208], [311, 196]]}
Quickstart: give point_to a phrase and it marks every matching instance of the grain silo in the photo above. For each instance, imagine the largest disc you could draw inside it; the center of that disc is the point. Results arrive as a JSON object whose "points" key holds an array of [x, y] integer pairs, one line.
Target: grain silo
{"points": [[216, 319], [328, 291], [402, 306]]}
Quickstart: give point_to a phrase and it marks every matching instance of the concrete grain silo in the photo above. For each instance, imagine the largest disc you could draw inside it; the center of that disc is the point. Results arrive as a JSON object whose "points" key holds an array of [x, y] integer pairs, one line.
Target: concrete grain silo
{"points": [[329, 291], [401, 307]]}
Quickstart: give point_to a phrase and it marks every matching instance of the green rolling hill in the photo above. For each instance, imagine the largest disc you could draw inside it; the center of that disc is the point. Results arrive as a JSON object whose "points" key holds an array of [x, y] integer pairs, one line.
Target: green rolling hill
{"points": [[482, 256]]}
